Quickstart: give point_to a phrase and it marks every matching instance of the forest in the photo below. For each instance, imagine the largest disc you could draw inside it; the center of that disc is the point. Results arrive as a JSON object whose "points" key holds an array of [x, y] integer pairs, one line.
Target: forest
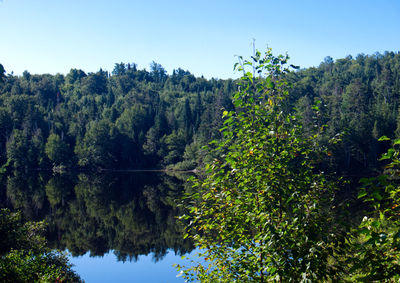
{"points": [[133, 118]]}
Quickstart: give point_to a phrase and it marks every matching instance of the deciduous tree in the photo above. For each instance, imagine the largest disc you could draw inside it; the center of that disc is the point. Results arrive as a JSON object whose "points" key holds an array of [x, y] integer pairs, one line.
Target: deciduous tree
{"points": [[264, 212]]}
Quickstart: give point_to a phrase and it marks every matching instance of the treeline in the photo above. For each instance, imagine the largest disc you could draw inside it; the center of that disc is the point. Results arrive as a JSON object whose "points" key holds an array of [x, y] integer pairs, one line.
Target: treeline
{"points": [[128, 119], [135, 118], [359, 102]]}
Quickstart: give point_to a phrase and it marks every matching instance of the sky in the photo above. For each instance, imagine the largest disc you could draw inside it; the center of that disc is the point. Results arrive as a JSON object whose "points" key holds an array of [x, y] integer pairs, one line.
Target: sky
{"points": [[204, 37]]}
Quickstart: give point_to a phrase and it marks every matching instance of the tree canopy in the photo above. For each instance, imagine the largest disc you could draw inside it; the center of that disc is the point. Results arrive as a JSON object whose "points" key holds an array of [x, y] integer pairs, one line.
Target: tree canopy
{"points": [[160, 120]]}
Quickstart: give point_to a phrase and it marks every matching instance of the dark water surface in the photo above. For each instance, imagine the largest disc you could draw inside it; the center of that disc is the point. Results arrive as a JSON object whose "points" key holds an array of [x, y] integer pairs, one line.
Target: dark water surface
{"points": [[118, 227]]}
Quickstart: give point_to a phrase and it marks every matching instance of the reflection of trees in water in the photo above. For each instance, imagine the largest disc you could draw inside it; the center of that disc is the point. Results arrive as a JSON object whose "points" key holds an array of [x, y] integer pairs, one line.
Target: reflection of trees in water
{"points": [[25, 192], [132, 214]]}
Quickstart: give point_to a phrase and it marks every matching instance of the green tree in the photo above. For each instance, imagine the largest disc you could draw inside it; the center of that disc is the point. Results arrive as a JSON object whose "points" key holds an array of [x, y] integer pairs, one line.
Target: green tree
{"points": [[17, 149], [175, 143], [57, 150], [263, 211], [188, 121], [2, 76], [5, 131], [375, 244], [24, 256], [119, 69], [158, 72], [132, 121], [96, 149], [74, 75]]}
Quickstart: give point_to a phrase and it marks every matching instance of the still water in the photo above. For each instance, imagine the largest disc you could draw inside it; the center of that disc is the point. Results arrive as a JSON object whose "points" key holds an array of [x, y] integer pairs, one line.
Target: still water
{"points": [[107, 269], [117, 227]]}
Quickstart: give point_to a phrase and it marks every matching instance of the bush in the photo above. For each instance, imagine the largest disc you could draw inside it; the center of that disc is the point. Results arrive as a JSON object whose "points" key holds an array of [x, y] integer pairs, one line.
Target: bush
{"points": [[264, 211], [24, 256]]}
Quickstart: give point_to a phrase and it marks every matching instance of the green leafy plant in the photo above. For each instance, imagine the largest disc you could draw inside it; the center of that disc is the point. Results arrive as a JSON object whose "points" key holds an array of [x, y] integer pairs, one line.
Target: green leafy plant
{"points": [[263, 211], [376, 242], [24, 256]]}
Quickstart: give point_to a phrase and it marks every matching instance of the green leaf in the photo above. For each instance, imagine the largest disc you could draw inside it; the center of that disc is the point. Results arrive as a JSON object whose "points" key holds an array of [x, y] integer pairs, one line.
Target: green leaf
{"points": [[362, 194], [384, 138]]}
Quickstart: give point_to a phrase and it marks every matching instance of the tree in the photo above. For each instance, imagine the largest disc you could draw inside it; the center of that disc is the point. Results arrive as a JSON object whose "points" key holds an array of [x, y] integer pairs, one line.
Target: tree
{"points": [[119, 69], [132, 121], [2, 76], [375, 244], [24, 256], [57, 150], [263, 211], [187, 118], [17, 149], [74, 75], [175, 143], [96, 149], [5, 131], [158, 72]]}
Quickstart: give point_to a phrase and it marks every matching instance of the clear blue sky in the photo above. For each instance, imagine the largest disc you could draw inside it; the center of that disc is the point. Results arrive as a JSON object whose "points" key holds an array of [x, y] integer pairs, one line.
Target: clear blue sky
{"points": [[202, 36]]}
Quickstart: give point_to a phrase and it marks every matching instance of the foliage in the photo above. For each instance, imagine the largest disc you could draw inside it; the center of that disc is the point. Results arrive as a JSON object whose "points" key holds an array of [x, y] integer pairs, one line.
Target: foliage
{"points": [[2, 76], [19, 235], [56, 149], [264, 212], [18, 148], [22, 266], [96, 149], [154, 116], [360, 99], [376, 243], [24, 256]]}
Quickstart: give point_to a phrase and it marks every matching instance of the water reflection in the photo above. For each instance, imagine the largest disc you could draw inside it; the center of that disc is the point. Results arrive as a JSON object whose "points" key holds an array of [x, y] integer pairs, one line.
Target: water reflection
{"points": [[130, 213]]}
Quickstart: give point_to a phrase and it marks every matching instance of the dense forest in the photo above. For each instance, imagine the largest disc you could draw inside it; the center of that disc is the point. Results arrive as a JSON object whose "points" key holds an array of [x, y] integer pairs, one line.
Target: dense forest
{"points": [[133, 118], [128, 119]]}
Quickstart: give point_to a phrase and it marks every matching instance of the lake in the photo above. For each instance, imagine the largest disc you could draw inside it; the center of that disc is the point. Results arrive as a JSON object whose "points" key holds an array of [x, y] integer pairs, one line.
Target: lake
{"points": [[117, 227]]}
